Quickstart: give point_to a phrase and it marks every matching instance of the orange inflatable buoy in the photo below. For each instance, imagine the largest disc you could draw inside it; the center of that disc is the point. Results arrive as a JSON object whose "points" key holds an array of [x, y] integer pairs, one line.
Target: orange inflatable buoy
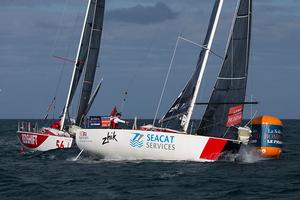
{"points": [[267, 136]]}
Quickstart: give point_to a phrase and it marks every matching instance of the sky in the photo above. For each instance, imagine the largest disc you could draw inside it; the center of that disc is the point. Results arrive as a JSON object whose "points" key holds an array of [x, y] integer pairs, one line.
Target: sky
{"points": [[137, 45]]}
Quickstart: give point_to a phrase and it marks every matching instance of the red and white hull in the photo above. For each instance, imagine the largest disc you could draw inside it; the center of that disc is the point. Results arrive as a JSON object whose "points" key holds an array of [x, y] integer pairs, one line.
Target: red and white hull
{"points": [[45, 140], [152, 145]]}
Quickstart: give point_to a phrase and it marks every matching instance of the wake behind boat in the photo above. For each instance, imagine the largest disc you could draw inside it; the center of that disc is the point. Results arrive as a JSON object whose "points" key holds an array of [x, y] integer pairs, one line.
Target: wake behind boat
{"points": [[57, 136], [220, 130]]}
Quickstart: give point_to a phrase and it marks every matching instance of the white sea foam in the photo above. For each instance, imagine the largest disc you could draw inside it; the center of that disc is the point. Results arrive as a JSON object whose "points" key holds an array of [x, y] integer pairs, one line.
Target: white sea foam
{"points": [[249, 154]]}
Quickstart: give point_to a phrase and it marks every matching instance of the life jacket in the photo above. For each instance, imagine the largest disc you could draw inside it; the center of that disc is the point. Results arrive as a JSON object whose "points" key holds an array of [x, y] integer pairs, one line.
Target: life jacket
{"points": [[56, 124], [113, 123]]}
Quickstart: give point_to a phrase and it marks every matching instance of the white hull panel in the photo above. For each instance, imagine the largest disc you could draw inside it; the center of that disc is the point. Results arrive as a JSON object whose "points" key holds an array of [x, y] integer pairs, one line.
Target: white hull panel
{"points": [[136, 144]]}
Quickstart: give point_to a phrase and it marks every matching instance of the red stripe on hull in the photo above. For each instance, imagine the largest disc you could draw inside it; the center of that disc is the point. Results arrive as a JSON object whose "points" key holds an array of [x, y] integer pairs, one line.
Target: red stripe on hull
{"points": [[213, 148], [31, 140]]}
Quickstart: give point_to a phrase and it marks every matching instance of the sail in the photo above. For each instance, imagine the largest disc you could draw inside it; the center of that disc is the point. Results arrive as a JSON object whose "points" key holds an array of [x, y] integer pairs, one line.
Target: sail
{"points": [[82, 51], [225, 108], [81, 56], [91, 101], [180, 107], [97, 10]]}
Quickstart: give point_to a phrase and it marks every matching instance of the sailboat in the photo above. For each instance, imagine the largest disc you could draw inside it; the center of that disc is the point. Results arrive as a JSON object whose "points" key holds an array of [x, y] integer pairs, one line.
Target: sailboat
{"points": [[218, 132], [57, 135]]}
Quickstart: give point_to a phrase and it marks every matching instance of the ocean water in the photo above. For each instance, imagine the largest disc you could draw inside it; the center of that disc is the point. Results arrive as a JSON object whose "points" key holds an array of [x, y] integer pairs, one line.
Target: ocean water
{"points": [[55, 174]]}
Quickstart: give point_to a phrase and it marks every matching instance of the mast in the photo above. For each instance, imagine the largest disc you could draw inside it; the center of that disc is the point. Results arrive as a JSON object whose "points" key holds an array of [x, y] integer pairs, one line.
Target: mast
{"points": [[74, 80], [215, 17], [184, 103], [225, 108], [92, 58]]}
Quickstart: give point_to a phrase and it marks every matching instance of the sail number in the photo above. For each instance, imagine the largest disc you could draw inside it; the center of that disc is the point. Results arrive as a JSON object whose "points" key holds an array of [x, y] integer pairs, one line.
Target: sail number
{"points": [[60, 144]]}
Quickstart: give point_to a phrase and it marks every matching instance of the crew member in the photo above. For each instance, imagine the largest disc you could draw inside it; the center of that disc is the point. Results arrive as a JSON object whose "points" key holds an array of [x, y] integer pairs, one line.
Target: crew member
{"points": [[56, 124], [115, 120]]}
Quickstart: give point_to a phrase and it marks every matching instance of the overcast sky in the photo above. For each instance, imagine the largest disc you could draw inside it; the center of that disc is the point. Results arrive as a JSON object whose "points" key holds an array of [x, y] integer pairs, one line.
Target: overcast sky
{"points": [[137, 44]]}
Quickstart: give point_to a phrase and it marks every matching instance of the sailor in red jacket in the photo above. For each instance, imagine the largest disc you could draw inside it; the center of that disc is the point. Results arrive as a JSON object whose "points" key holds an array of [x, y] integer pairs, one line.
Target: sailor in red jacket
{"points": [[56, 124], [115, 120]]}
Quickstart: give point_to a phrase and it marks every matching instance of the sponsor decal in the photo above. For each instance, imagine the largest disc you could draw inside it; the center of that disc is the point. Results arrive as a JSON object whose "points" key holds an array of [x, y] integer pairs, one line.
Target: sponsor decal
{"points": [[103, 121], [153, 141], [235, 115], [95, 121], [267, 135], [83, 137], [83, 134], [235, 109], [29, 139], [32, 140], [111, 136], [137, 141]]}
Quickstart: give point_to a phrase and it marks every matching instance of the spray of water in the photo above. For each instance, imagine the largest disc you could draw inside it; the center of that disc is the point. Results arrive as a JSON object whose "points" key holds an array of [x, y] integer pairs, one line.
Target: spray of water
{"points": [[249, 154]]}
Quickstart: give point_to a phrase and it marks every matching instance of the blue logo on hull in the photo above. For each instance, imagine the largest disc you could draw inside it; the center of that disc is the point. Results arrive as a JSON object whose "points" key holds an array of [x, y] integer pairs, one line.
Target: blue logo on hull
{"points": [[137, 141]]}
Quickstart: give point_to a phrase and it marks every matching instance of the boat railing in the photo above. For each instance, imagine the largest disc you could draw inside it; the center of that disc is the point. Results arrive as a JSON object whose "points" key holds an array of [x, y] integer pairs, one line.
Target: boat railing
{"points": [[27, 126]]}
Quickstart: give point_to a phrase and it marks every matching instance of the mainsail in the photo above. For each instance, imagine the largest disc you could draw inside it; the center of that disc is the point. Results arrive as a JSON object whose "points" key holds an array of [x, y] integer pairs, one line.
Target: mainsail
{"points": [[92, 57], [225, 108], [183, 105], [82, 49], [82, 53]]}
